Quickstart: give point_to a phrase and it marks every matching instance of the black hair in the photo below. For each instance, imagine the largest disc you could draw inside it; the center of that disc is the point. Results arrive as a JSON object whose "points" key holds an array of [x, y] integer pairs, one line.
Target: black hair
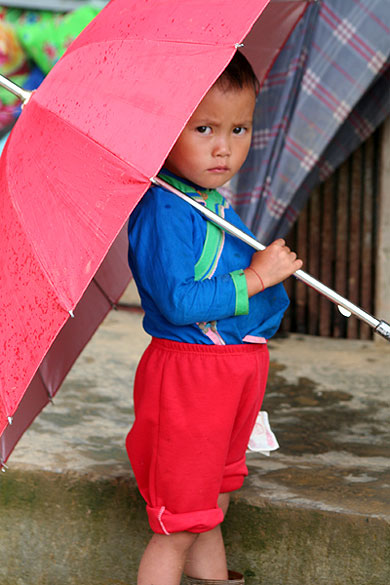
{"points": [[238, 74]]}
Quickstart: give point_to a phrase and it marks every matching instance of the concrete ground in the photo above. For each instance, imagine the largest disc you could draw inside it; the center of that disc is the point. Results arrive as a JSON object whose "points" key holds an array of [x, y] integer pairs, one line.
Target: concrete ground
{"points": [[315, 512]]}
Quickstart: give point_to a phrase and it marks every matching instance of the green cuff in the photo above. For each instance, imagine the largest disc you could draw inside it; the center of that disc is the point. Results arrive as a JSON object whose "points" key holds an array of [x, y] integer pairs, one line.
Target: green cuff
{"points": [[242, 301]]}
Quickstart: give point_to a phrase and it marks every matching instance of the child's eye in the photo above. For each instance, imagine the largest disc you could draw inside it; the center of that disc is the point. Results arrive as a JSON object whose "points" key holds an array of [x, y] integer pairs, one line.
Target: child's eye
{"points": [[203, 129], [239, 130]]}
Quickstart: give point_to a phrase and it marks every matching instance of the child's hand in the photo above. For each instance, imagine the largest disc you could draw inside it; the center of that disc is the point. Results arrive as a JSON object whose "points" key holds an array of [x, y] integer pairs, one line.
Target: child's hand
{"points": [[271, 266]]}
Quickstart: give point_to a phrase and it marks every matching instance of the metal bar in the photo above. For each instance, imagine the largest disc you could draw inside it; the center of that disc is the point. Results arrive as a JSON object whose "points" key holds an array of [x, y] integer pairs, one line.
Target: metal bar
{"points": [[354, 251], [18, 91], [326, 254], [302, 292], [380, 327], [341, 260], [367, 232], [313, 257]]}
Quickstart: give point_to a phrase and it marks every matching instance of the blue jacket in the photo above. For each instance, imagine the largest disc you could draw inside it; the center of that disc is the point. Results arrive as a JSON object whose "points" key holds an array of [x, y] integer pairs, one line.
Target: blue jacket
{"points": [[189, 273]]}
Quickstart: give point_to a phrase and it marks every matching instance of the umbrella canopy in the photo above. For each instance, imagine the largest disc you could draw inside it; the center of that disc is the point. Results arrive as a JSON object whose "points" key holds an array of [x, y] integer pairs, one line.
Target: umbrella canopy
{"points": [[79, 159]]}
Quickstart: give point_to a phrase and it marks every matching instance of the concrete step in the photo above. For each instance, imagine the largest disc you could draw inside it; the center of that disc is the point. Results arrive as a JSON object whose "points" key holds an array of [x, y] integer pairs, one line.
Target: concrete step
{"points": [[315, 512]]}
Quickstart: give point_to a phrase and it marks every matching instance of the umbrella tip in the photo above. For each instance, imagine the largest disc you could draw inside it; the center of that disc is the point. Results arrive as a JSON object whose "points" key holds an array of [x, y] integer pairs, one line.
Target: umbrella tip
{"points": [[10, 420], [25, 97], [383, 329], [71, 314], [4, 467]]}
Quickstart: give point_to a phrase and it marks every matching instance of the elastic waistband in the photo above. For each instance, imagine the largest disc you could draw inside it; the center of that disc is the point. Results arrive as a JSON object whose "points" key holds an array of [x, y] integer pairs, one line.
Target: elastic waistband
{"points": [[177, 346]]}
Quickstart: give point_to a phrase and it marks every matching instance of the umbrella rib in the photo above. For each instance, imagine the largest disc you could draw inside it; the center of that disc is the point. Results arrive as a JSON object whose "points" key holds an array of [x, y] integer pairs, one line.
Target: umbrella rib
{"points": [[115, 155], [101, 289], [156, 42], [45, 385], [54, 186]]}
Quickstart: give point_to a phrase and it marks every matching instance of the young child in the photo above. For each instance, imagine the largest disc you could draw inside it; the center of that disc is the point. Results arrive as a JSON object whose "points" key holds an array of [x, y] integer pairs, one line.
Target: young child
{"points": [[210, 305]]}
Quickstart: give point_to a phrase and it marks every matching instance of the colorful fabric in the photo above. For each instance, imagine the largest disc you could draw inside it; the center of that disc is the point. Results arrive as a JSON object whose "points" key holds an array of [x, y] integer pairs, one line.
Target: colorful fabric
{"points": [[166, 241], [195, 407], [12, 64], [327, 91], [46, 37], [12, 57], [31, 42]]}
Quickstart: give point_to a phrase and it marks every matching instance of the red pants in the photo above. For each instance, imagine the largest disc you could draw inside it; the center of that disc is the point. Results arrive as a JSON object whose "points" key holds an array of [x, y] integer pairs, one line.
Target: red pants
{"points": [[195, 407]]}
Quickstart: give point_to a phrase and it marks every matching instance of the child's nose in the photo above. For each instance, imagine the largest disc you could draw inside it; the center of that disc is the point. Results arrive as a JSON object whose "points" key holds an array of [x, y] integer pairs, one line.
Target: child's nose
{"points": [[222, 146]]}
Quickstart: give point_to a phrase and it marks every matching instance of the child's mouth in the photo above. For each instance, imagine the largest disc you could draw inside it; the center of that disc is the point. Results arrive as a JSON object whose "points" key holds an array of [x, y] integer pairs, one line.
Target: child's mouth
{"points": [[219, 170]]}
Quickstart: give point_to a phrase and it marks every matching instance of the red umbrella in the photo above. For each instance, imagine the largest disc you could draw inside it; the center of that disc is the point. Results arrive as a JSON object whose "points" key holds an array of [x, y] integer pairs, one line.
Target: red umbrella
{"points": [[82, 155]]}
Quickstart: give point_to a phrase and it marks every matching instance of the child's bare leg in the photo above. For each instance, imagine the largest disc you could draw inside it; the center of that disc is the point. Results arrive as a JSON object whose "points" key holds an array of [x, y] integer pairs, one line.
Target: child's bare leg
{"points": [[206, 558], [163, 560]]}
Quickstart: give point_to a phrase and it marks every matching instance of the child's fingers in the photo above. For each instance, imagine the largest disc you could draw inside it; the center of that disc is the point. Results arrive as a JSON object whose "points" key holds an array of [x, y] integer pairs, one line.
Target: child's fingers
{"points": [[279, 242], [276, 263], [298, 264]]}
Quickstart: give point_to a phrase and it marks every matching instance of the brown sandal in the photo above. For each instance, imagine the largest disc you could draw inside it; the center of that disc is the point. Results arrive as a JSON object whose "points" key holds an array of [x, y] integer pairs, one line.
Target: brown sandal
{"points": [[234, 579]]}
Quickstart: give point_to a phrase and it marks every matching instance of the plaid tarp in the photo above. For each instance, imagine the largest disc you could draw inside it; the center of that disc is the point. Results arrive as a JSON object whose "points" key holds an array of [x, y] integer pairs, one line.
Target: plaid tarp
{"points": [[326, 93]]}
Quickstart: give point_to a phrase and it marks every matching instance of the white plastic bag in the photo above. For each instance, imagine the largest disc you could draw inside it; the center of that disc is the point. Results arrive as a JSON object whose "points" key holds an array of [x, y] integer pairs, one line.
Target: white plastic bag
{"points": [[262, 439]]}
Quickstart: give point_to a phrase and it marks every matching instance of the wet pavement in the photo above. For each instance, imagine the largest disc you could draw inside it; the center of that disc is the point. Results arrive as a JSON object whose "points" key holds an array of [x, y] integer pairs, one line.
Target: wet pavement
{"points": [[329, 402]]}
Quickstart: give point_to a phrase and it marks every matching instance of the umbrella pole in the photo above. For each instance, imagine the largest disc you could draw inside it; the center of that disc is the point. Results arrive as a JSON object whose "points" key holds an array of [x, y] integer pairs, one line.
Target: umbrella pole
{"points": [[345, 306], [18, 91]]}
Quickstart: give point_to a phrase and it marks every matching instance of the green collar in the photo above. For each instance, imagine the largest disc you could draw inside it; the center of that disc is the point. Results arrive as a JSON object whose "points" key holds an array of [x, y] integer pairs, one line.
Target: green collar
{"points": [[209, 195]]}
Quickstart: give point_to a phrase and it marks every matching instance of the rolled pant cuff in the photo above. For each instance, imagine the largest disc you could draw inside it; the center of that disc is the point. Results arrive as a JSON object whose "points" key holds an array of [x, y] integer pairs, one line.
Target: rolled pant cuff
{"points": [[164, 522]]}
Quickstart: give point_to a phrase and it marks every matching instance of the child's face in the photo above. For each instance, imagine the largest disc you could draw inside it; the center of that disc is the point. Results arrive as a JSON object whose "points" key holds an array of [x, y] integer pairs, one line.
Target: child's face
{"points": [[215, 142]]}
